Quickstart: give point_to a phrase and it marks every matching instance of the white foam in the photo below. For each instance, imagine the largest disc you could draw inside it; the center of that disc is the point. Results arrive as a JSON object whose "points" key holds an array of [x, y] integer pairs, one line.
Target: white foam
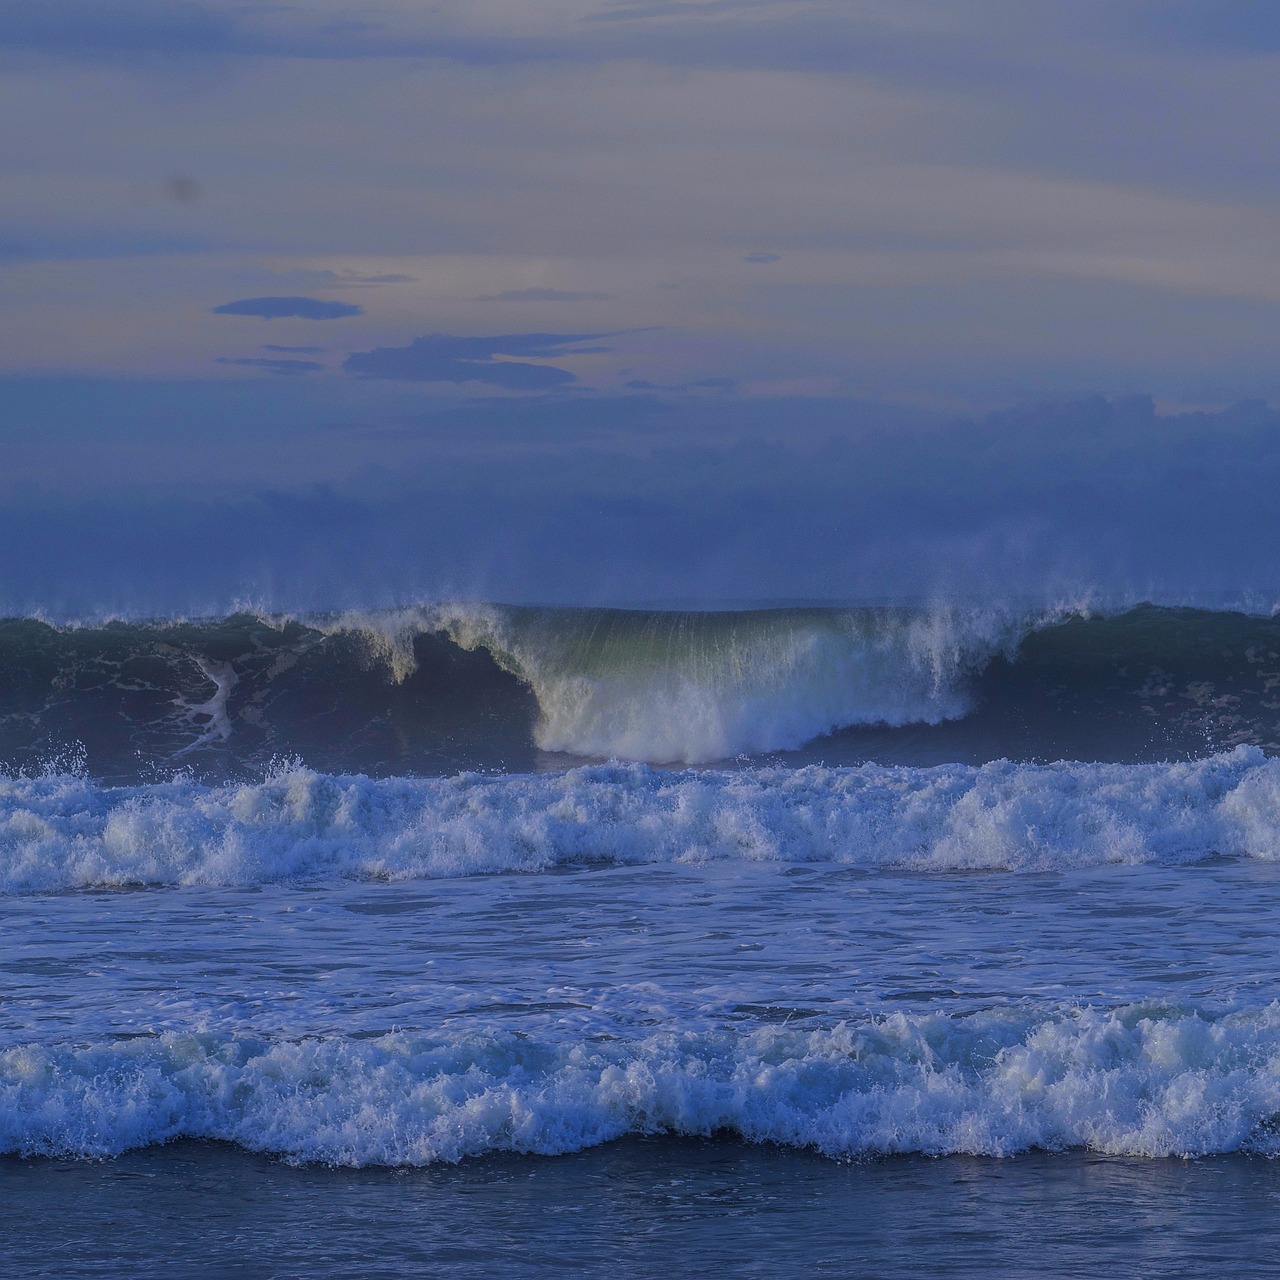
{"points": [[693, 688], [66, 832], [1137, 1081]]}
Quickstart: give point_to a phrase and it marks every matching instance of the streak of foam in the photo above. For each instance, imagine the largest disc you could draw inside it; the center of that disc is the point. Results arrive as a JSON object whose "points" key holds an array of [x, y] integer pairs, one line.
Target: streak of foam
{"points": [[1137, 1081], [209, 718], [65, 832]]}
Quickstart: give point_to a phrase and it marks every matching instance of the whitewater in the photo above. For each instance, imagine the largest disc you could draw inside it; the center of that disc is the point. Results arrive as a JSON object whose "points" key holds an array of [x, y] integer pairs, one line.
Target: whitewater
{"points": [[65, 832], [412, 888]]}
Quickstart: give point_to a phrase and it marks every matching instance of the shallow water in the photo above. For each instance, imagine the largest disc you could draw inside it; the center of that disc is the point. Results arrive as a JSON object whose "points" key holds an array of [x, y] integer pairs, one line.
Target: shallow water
{"points": [[1127, 1009], [622, 951], [640, 1207]]}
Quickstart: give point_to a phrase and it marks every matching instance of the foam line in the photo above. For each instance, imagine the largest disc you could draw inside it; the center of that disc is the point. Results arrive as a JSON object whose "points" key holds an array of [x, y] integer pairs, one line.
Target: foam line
{"points": [[1137, 1081], [65, 832]]}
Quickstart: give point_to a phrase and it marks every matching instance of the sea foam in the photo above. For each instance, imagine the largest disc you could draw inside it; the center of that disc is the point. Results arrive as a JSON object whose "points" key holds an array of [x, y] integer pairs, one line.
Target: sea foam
{"points": [[1138, 1081], [64, 832]]}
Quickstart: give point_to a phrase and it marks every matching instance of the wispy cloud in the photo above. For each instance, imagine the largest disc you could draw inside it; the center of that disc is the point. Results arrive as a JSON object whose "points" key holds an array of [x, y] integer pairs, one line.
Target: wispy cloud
{"points": [[442, 357], [806, 35], [543, 295], [89, 245], [273, 366]]}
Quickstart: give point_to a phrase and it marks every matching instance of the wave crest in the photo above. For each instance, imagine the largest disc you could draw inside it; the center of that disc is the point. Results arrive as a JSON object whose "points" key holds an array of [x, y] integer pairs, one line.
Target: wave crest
{"points": [[668, 687], [65, 832], [1136, 1081]]}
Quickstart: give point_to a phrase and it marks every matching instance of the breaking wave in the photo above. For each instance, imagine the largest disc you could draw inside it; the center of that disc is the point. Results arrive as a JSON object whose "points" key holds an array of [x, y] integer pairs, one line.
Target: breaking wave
{"points": [[660, 687], [1144, 1080], [66, 832], [440, 689], [698, 687]]}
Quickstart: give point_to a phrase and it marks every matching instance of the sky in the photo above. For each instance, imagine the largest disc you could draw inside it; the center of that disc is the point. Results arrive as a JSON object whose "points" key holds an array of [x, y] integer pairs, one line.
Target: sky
{"points": [[610, 300]]}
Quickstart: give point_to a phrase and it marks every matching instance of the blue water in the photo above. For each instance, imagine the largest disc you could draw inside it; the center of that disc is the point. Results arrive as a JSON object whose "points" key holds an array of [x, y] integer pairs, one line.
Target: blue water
{"points": [[756, 1015]]}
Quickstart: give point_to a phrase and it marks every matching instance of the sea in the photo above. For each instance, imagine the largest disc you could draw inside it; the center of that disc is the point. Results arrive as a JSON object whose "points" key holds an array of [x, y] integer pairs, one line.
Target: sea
{"points": [[472, 939]]}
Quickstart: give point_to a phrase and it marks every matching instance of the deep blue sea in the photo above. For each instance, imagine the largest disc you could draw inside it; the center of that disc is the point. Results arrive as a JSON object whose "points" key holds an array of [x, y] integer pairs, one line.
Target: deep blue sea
{"points": [[478, 940]]}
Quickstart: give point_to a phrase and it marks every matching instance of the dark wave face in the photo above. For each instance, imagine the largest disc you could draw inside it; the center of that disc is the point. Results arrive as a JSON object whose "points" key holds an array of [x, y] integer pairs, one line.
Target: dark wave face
{"points": [[442, 689]]}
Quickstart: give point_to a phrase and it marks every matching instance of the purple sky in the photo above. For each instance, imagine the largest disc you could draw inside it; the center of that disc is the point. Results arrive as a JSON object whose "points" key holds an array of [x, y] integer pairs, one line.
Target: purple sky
{"points": [[606, 299], [957, 202]]}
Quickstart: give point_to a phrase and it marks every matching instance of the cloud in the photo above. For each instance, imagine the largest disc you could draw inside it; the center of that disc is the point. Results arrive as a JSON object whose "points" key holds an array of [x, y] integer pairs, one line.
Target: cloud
{"points": [[278, 308], [1226, 26], [155, 26], [799, 34], [803, 35], [392, 277], [92, 245], [302, 351], [130, 30], [442, 357], [762, 257], [543, 295], [275, 366], [701, 384]]}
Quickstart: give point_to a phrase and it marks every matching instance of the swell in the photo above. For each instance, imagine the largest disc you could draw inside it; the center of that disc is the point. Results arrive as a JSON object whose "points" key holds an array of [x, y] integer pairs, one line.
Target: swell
{"points": [[66, 832], [438, 689], [1139, 1081]]}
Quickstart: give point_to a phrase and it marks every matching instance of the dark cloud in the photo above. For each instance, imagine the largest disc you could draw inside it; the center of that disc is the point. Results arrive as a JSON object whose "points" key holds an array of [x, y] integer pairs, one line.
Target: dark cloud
{"points": [[442, 357], [762, 257], [274, 366], [278, 308], [543, 295]]}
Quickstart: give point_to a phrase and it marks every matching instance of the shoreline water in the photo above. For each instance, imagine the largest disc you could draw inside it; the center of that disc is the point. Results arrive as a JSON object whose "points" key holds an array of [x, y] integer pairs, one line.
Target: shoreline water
{"points": [[640, 1207]]}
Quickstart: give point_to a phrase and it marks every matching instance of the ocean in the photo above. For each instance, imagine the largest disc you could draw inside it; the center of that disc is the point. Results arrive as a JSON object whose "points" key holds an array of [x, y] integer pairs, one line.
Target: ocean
{"points": [[477, 939]]}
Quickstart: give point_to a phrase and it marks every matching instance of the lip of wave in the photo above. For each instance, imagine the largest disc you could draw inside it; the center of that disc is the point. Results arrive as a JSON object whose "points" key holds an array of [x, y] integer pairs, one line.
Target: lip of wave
{"points": [[65, 832], [1139, 1081]]}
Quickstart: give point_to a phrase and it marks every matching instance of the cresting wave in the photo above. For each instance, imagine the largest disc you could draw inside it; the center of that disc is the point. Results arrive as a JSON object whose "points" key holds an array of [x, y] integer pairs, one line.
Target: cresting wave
{"points": [[441, 689], [65, 832], [661, 687], [1140, 1081], [667, 687]]}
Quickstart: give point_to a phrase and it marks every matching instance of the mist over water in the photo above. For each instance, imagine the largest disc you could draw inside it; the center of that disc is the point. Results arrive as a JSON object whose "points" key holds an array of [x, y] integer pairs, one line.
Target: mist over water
{"points": [[639, 500]]}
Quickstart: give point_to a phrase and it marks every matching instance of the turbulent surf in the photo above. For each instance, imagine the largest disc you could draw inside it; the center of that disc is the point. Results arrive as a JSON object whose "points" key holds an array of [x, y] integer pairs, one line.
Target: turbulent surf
{"points": [[404, 887]]}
